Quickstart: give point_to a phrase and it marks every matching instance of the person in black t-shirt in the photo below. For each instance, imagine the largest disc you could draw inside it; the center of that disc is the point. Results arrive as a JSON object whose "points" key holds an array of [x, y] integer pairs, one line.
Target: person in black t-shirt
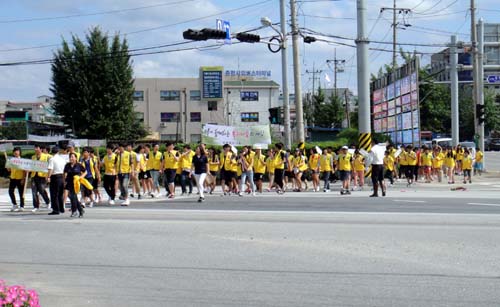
{"points": [[201, 167], [71, 170]]}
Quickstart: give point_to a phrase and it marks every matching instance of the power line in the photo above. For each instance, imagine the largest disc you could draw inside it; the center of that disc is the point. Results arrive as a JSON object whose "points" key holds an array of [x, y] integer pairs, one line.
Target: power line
{"points": [[93, 14], [154, 28]]}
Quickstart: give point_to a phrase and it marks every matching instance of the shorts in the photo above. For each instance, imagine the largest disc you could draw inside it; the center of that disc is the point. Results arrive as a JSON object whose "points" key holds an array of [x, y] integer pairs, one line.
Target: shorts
{"points": [[213, 173], [229, 176], [258, 177], [170, 176], [289, 174], [314, 172], [478, 166], [427, 169], [222, 174], [144, 175], [95, 184], [344, 175]]}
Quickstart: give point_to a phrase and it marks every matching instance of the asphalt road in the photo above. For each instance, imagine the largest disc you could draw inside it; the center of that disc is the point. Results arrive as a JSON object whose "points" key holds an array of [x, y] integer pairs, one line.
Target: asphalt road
{"points": [[307, 250]]}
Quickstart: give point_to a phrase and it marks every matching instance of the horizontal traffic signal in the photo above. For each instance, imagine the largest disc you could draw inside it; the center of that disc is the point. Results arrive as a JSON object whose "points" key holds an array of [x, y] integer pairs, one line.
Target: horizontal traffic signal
{"points": [[203, 34], [248, 37]]}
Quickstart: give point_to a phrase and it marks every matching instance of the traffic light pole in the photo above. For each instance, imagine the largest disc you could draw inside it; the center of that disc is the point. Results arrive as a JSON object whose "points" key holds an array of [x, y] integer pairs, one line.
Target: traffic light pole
{"points": [[454, 91], [480, 82], [284, 73]]}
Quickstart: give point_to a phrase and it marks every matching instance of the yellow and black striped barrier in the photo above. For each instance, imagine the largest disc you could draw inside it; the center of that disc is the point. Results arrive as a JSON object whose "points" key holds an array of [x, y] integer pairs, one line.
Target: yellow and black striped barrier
{"points": [[365, 142]]}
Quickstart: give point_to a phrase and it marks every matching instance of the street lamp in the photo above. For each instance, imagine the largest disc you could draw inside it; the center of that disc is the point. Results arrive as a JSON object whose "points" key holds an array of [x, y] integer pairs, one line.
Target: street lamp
{"points": [[266, 22]]}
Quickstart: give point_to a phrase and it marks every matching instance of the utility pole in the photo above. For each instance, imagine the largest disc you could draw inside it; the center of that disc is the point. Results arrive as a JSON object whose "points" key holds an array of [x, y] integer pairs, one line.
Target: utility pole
{"points": [[454, 91], [314, 72], [362, 42], [299, 111], [395, 10], [284, 71], [337, 67]]}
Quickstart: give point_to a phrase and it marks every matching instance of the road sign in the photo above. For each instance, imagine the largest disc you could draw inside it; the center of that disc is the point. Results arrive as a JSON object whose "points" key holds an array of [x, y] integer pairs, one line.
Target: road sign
{"points": [[493, 79], [225, 26]]}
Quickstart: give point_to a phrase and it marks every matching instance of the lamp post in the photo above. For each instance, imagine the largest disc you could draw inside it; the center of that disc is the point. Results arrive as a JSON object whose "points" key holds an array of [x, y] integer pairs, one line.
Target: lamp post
{"points": [[265, 21]]}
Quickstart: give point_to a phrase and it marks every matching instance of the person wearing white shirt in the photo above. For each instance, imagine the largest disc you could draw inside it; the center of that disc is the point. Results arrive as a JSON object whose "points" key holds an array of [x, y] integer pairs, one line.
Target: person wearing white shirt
{"points": [[377, 161], [56, 181]]}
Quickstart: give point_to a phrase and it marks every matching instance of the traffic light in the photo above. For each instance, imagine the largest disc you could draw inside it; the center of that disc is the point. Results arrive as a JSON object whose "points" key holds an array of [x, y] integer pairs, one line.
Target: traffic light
{"points": [[273, 116], [195, 35], [309, 39], [248, 37], [480, 113], [203, 34], [214, 33]]}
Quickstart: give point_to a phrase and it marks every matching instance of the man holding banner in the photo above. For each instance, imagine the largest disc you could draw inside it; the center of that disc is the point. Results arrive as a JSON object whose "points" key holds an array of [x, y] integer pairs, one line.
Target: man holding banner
{"points": [[17, 178], [39, 181]]}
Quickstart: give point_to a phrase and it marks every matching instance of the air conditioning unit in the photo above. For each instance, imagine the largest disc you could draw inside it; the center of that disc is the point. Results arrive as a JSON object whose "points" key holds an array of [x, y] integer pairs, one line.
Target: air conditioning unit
{"points": [[163, 125]]}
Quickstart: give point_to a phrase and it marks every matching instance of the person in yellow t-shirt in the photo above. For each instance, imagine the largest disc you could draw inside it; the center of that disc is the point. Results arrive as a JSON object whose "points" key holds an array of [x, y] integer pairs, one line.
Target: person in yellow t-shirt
{"points": [[246, 162], [326, 168], [141, 169], [411, 161], [213, 169], [136, 189], [299, 168], [39, 181], [437, 162], [171, 159], [124, 168], [259, 166], [186, 163], [449, 162], [389, 166], [344, 164], [459, 156], [109, 163], [426, 163], [279, 167], [314, 165], [155, 167], [467, 166], [478, 163], [17, 178], [270, 169], [358, 170]]}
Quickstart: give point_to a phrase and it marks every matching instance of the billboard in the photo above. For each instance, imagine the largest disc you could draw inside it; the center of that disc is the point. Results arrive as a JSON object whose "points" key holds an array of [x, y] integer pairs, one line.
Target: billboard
{"points": [[395, 105], [212, 84]]}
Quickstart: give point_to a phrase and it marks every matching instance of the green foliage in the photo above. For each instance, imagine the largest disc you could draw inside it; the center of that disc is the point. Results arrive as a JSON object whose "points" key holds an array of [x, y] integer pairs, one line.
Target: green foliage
{"points": [[93, 87], [326, 113], [491, 111], [14, 131], [435, 108]]}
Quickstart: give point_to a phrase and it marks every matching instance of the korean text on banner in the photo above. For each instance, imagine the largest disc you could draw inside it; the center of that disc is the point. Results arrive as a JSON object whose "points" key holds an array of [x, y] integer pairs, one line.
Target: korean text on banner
{"points": [[236, 136], [27, 165]]}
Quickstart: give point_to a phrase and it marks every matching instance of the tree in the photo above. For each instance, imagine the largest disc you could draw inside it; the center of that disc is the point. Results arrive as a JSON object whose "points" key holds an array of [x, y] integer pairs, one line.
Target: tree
{"points": [[491, 111], [93, 87], [435, 107], [14, 131]]}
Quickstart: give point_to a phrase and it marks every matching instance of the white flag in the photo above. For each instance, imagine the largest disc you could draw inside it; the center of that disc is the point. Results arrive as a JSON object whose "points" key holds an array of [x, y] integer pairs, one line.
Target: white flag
{"points": [[327, 78]]}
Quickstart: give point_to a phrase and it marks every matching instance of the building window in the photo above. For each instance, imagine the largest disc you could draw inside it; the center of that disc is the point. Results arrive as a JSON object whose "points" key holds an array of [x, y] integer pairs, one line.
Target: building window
{"points": [[195, 138], [252, 117], [139, 117], [170, 95], [212, 105], [195, 116], [195, 95], [138, 96], [249, 96], [169, 137], [169, 117]]}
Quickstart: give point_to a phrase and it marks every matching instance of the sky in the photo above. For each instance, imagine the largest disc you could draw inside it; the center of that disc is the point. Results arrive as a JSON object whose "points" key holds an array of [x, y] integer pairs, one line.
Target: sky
{"points": [[33, 30]]}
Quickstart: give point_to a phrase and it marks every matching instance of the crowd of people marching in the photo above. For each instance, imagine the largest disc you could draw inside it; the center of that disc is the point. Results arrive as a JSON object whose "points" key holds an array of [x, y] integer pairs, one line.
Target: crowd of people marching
{"points": [[77, 176]]}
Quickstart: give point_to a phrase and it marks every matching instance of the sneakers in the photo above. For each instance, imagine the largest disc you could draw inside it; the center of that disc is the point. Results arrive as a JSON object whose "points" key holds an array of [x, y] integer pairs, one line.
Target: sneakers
{"points": [[240, 194], [20, 209], [111, 202], [139, 196], [34, 210], [126, 202], [171, 196], [14, 208], [132, 195], [91, 204]]}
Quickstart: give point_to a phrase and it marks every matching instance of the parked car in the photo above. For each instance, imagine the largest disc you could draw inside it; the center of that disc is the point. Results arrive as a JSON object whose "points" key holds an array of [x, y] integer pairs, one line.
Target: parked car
{"points": [[469, 145], [493, 145], [443, 142]]}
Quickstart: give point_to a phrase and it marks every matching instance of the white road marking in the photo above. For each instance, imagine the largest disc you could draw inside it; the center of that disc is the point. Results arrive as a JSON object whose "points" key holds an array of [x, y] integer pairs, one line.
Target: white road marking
{"points": [[409, 201], [481, 204]]}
